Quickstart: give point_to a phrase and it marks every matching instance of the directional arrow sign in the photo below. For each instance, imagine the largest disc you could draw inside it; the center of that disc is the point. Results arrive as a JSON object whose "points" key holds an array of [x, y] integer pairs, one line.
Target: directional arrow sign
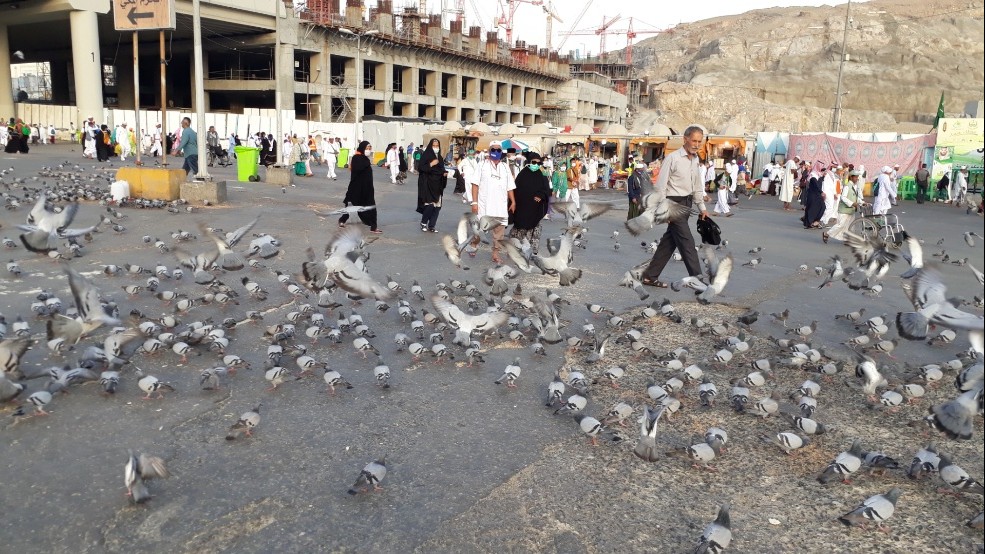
{"points": [[143, 15], [133, 15]]}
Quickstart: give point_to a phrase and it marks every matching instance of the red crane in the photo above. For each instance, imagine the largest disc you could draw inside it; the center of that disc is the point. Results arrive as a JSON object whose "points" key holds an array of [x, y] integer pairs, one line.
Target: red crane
{"points": [[606, 29]]}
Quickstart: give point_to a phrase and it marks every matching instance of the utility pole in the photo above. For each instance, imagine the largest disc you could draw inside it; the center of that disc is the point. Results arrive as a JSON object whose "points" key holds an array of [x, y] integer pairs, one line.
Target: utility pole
{"points": [[836, 119], [203, 171]]}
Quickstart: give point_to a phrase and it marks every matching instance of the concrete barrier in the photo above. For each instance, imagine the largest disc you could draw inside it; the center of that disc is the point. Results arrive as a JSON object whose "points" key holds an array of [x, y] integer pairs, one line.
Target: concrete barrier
{"points": [[204, 192], [279, 175], [153, 183]]}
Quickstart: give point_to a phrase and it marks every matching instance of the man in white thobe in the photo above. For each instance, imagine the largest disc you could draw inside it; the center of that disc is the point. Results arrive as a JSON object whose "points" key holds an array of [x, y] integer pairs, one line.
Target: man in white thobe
{"points": [[468, 167], [829, 187], [959, 187], [788, 182], [733, 173], [393, 163], [492, 193], [123, 139], [156, 148], [882, 203], [331, 157]]}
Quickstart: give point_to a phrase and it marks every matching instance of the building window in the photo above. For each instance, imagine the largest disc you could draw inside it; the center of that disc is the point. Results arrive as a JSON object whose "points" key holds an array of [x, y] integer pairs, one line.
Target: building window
{"points": [[109, 76]]}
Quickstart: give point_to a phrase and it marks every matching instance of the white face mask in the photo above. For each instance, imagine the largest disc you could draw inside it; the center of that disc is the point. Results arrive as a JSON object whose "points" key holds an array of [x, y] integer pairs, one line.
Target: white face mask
{"points": [[435, 149], [368, 152]]}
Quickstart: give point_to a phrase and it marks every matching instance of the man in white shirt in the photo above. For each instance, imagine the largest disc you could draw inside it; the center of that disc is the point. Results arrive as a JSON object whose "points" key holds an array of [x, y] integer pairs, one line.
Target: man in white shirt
{"points": [[680, 179], [829, 187], [733, 172], [894, 177], [393, 163], [468, 167], [959, 188], [156, 147], [123, 139], [492, 193], [788, 182], [331, 156]]}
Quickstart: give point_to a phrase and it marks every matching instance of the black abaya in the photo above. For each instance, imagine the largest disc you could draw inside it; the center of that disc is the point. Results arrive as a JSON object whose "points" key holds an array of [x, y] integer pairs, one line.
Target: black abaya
{"points": [[530, 186], [813, 203], [361, 191]]}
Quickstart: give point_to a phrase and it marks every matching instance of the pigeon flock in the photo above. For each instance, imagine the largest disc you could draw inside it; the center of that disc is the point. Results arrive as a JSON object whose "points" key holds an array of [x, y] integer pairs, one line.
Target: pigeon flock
{"points": [[114, 326]]}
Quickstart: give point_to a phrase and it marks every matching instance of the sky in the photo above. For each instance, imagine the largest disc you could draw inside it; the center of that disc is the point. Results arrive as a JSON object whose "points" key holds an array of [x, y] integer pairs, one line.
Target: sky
{"points": [[529, 20]]}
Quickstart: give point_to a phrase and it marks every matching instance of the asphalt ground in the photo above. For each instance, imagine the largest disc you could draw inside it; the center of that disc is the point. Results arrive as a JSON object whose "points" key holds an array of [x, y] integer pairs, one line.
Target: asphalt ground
{"points": [[453, 440]]}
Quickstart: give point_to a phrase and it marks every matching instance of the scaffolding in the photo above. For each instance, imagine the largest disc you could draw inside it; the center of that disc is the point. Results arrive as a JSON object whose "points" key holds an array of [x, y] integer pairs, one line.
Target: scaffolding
{"points": [[341, 109], [556, 113]]}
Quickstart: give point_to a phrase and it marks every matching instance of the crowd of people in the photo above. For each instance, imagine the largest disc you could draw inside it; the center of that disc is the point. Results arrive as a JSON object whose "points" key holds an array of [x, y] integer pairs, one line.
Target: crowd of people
{"points": [[16, 137]]}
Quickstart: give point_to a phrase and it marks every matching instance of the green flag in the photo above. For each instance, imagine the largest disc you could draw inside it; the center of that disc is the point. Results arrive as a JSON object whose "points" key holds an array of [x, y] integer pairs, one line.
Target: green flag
{"points": [[940, 111]]}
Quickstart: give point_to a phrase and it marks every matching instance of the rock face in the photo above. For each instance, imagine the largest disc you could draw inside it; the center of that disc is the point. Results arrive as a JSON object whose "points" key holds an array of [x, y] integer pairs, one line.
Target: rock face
{"points": [[777, 69]]}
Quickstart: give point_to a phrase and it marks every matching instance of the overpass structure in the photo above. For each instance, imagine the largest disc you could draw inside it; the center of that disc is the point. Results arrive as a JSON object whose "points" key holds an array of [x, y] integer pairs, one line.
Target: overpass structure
{"points": [[300, 61]]}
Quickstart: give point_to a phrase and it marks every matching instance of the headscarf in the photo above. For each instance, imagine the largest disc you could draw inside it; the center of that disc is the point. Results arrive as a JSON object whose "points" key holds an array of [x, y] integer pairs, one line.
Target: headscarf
{"points": [[362, 146]]}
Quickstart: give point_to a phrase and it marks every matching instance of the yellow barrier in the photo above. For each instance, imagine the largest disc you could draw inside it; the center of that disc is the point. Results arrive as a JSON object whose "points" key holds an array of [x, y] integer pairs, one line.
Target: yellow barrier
{"points": [[153, 183]]}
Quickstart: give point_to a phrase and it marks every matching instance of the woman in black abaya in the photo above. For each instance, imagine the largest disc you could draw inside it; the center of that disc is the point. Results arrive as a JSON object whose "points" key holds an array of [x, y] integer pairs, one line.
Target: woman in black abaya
{"points": [[360, 191], [430, 185], [814, 198], [531, 195]]}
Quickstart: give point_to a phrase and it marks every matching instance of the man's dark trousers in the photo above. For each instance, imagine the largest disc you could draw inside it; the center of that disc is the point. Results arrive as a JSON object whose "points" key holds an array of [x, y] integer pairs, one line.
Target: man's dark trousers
{"points": [[678, 236]]}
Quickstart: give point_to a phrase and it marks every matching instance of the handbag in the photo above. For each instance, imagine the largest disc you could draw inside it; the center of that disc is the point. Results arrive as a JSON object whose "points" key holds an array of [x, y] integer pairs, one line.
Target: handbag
{"points": [[732, 199], [710, 232]]}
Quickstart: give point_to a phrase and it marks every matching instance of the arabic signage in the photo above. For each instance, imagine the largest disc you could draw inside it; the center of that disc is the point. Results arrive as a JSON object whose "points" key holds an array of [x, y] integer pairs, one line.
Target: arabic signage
{"points": [[959, 143], [143, 15]]}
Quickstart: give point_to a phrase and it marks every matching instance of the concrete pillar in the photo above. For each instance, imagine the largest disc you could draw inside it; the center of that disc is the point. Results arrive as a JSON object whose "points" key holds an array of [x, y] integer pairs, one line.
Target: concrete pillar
{"points": [[6, 91], [87, 64], [387, 80], [124, 84], [59, 84], [191, 68]]}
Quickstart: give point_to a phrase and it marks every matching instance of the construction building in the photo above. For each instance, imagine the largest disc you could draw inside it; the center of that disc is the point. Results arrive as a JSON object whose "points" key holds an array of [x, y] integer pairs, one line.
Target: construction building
{"points": [[322, 60]]}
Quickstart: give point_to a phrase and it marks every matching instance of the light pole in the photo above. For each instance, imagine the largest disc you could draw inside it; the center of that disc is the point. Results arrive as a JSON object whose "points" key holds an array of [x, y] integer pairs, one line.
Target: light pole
{"points": [[359, 77], [836, 119], [307, 96]]}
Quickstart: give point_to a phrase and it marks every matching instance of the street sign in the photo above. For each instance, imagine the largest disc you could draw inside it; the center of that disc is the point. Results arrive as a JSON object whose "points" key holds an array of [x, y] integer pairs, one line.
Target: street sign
{"points": [[143, 15]]}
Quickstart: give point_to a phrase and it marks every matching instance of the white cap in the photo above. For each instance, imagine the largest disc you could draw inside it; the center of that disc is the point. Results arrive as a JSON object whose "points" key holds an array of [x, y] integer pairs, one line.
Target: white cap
{"points": [[495, 144]]}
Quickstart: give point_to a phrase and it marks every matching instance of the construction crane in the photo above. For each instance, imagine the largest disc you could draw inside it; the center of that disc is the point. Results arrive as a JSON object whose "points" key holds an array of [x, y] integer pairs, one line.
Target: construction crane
{"points": [[602, 30], [581, 14], [551, 16], [606, 29]]}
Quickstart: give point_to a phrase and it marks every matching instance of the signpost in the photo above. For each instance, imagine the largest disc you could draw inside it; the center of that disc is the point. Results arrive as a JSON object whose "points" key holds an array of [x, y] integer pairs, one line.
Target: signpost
{"points": [[143, 15], [146, 15]]}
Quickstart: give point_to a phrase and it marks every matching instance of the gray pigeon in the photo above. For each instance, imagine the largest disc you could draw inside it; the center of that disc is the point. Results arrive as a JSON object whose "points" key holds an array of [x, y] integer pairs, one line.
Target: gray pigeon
{"points": [[646, 446], [957, 478], [845, 464], [876, 509], [245, 424], [717, 535], [141, 467], [371, 475]]}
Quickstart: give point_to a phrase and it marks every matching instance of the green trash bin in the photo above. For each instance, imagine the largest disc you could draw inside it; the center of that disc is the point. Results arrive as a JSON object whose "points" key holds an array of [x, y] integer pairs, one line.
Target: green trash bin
{"points": [[247, 163], [343, 158]]}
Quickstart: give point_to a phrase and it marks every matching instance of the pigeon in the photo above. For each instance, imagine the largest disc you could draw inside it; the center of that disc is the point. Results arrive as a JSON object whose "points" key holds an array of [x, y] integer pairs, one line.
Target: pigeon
{"points": [[927, 295], [334, 379], [788, 442], [925, 461], [345, 210], [371, 475], [341, 268], [44, 227], [139, 468], [382, 374], [557, 264], [969, 238], [876, 509], [228, 259], [701, 453], [466, 325], [871, 254], [150, 384], [717, 535], [591, 427], [209, 379], [510, 375], [555, 391], [617, 414], [657, 209], [574, 403], [245, 425], [845, 464], [835, 272], [577, 214], [753, 263], [957, 478], [646, 446], [92, 312], [956, 418]]}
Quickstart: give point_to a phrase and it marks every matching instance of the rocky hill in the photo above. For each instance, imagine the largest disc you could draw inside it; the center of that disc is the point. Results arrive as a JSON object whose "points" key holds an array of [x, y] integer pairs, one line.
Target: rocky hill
{"points": [[777, 69]]}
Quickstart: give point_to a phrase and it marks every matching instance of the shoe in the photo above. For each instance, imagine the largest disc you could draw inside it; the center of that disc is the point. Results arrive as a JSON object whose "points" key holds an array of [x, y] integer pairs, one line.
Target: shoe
{"points": [[653, 283], [376, 231], [433, 230], [341, 225], [424, 228], [730, 214], [825, 237]]}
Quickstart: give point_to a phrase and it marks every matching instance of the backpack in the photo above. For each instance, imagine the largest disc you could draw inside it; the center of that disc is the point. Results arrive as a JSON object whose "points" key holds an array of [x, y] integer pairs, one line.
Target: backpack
{"points": [[766, 174], [105, 137], [417, 155], [584, 169]]}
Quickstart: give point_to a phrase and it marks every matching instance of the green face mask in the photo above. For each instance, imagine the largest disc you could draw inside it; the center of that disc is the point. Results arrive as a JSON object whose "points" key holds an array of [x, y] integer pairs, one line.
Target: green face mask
{"points": [[534, 167]]}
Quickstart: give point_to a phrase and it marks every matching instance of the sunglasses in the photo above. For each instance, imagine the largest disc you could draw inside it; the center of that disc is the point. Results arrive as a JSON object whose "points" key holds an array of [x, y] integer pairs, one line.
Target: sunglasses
{"points": [[495, 149]]}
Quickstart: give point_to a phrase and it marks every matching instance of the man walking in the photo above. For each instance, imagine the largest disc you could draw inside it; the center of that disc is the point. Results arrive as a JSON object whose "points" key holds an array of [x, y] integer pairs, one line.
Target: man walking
{"points": [[922, 177], [188, 146], [492, 193], [212, 143], [157, 146], [848, 204], [959, 188], [681, 179], [332, 157]]}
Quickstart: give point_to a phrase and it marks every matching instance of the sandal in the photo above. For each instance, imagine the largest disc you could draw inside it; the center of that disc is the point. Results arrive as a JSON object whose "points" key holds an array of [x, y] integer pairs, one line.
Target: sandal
{"points": [[341, 225], [376, 231], [653, 283]]}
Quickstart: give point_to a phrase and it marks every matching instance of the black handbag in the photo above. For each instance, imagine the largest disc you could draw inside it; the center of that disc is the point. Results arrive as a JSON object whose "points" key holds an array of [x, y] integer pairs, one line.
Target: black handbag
{"points": [[710, 232]]}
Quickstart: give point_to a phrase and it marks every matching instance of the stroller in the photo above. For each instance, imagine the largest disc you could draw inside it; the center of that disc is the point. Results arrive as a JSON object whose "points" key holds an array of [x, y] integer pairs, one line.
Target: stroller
{"points": [[217, 155]]}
